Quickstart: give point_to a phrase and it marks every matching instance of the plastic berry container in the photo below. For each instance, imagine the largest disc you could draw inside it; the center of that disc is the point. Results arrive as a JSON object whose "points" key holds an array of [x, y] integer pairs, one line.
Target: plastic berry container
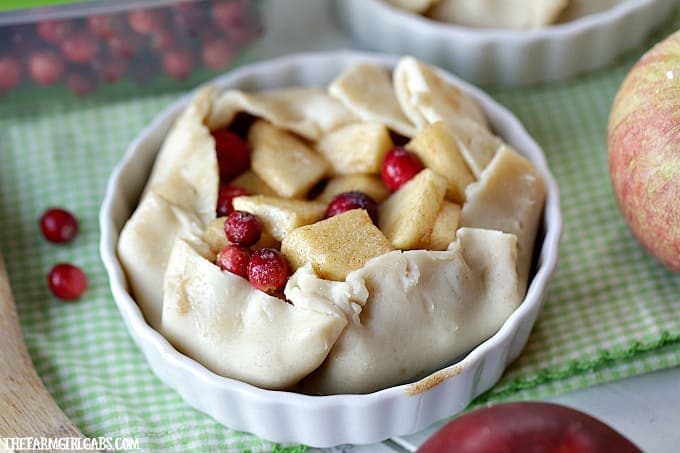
{"points": [[85, 46]]}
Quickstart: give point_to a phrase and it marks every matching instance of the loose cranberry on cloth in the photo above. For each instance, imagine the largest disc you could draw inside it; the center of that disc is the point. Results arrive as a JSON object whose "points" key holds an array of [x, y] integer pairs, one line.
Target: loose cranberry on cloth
{"points": [[58, 225], [67, 281]]}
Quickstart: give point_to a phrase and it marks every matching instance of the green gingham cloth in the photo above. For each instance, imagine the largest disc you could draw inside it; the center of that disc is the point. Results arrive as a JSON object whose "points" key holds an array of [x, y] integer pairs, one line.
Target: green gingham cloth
{"points": [[612, 311]]}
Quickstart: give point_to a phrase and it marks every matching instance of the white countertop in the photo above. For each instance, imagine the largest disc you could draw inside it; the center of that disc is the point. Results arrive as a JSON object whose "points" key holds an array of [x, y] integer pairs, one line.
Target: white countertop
{"points": [[645, 408]]}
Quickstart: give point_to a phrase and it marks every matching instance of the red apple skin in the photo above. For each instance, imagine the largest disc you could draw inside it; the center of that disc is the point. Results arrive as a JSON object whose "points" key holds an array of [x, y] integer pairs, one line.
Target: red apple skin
{"points": [[528, 427], [643, 142]]}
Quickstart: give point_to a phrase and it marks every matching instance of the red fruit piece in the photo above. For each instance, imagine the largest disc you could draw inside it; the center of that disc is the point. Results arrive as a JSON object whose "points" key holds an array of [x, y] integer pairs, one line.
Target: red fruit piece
{"points": [[399, 166], [268, 270], [217, 53], [235, 259], [233, 154], [146, 21], [105, 25], [527, 427], [67, 281], [224, 198], [243, 228], [82, 83], [124, 46], [178, 63], [109, 69], [10, 72], [227, 14], [58, 225], [53, 31], [353, 199], [189, 17], [80, 47], [45, 67], [163, 40]]}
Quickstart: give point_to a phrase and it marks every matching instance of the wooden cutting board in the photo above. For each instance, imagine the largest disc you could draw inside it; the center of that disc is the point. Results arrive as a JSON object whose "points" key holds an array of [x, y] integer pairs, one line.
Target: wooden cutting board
{"points": [[28, 410]]}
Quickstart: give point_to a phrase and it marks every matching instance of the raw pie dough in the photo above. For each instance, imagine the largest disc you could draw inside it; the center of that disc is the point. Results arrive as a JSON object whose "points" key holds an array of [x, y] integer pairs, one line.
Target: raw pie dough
{"points": [[402, 315]]}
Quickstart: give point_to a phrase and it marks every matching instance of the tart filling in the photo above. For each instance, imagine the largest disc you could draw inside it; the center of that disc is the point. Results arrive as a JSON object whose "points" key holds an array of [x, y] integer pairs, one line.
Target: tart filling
{"points": [[505, 14], [333, 241]]}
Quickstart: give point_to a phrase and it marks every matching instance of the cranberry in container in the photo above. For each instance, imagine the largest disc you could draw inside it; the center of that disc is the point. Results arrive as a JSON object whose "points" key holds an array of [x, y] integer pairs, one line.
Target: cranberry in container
{"points": [[84, 46]]}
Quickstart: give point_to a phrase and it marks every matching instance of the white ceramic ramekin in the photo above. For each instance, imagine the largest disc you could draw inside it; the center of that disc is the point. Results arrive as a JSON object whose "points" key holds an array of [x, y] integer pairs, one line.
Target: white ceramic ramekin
{"points": [[323, 421], [505, 57]]}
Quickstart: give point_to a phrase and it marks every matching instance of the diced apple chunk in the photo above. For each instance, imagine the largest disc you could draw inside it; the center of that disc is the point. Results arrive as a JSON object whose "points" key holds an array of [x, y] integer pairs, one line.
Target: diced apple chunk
{"points": [[444, 228], [280, 216], [409, 213], [437, 147], [371, 185], [283, 161], [214, 236], [356, 148], [253, 184], [336, 246]]}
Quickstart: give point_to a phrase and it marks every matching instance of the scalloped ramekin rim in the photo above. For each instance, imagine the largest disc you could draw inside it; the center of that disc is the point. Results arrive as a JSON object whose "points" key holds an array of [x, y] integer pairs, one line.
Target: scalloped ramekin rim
{"points": [[149, 339]]}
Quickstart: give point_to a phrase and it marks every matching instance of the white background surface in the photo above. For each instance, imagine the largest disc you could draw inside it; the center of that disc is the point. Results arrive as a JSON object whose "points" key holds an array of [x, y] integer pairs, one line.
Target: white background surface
{"points": [[645, 408]]}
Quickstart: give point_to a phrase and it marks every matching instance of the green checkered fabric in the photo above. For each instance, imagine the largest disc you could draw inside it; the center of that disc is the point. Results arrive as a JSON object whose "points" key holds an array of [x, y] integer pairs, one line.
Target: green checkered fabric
{"points": [[612, 311]]}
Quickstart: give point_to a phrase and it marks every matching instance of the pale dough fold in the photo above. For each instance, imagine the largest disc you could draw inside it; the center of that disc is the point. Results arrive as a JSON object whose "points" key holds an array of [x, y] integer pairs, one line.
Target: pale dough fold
{"points": [[509, 197], [178, 200], [424, 310], [511, 14], [220, 320], [367, 91], [426, 98], [309, 112], [417, 6]]}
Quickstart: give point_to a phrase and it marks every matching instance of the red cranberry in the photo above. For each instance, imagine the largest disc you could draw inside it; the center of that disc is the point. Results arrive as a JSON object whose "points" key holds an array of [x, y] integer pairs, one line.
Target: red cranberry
{"points": [[146, 21], [163, 40], [81, 83], [178, 63], [80, 47], [53, 31], [189, 17], [227, 14], [399, 166], [268, 270], [242, 34], [354, 199], [124, 46], [226, 195], [110, 69], [58, 225], [67, 281], [217, 54], [235, 259], [45, 67], [233, 154], [243, 228], [10, 72], [105, 25]]}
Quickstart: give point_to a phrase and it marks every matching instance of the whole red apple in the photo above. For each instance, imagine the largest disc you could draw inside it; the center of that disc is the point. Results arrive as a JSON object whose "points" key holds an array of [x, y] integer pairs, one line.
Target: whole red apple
{"points": [[643, 142], [528, 427]]}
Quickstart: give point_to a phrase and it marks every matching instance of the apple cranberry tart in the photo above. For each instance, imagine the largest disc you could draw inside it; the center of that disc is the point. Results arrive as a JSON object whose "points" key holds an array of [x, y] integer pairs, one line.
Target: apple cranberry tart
{"points": [[510, 14], [338, 240]]}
